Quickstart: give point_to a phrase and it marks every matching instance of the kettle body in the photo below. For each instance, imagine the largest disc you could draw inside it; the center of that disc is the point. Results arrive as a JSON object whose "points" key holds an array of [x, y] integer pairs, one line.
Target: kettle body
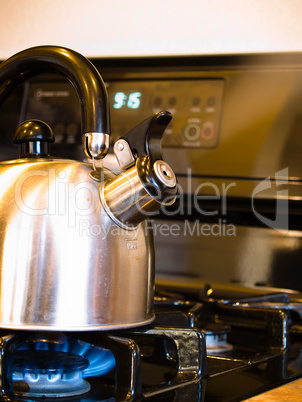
{"points": [[65, 265]]}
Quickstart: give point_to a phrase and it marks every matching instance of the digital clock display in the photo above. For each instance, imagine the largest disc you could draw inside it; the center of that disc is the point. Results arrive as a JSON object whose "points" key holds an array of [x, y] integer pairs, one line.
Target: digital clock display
{"points": [[129, 101]]}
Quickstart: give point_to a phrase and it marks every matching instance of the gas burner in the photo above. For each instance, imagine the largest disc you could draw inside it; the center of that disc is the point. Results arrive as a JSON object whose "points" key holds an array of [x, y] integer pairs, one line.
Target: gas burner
{"points": [[162, 298], [216, 339], [49, 374]]}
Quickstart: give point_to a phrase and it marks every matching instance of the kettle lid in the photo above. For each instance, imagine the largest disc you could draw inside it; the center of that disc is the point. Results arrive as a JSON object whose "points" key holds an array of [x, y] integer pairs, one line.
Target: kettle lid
{"points": [[33, 137]]}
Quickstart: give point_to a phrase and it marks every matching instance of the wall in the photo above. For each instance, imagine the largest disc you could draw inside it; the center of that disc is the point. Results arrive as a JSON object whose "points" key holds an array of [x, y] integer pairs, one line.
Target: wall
{"points": [[153, 27]]}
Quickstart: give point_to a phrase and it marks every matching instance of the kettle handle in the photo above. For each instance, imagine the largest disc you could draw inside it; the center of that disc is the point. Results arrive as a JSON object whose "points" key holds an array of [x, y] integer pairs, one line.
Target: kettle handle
{"points": [[84, 77]]}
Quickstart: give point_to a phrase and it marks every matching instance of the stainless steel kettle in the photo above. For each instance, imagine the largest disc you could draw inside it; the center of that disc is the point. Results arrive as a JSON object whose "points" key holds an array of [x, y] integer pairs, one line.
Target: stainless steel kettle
{"points": [[76, 246]]}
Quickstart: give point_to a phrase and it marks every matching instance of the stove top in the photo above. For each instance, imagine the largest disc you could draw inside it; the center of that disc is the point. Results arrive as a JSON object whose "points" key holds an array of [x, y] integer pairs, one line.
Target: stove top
{"points": [[207, 343]]}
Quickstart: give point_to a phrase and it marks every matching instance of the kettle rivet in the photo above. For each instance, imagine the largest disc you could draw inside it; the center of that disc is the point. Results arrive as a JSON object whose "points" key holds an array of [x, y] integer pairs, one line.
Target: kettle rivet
{"points": [[164, 173], [120, 146], [62, 174]]}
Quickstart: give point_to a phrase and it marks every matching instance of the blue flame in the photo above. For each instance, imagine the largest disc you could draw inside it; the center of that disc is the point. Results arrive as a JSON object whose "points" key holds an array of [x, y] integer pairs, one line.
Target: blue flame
{"points": [[101, 361]]}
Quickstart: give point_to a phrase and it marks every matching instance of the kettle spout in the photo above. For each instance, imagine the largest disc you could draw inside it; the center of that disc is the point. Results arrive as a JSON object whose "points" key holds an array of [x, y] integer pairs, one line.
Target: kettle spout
{"points": [[147, 182], [134, 196]]}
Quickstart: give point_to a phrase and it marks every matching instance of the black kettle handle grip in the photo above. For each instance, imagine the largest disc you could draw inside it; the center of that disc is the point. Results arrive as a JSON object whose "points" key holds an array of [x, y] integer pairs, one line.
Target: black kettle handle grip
{"points": [[145, 138], [76, 68]]}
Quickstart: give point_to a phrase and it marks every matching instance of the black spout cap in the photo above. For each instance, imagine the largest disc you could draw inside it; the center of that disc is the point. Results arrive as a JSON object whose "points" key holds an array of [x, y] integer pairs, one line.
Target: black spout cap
{"points": [[146, 137]]}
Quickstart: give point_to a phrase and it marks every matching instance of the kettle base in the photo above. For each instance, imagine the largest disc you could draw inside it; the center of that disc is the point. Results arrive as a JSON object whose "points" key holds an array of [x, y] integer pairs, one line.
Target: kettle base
{"points": [[83, 328]]}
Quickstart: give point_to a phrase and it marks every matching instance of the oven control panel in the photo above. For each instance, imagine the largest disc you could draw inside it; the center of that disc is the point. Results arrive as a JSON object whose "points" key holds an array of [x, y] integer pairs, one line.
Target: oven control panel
{"points": [[196, 106]]}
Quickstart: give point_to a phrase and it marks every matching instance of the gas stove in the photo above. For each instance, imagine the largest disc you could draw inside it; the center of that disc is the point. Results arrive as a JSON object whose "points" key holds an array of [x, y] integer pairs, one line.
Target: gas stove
{"points": [[207, 343]]}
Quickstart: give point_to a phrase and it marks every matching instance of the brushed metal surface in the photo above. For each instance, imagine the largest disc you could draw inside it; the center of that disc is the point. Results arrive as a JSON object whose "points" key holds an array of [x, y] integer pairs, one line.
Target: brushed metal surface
{"points": [[133, 196], [64, 264]]}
